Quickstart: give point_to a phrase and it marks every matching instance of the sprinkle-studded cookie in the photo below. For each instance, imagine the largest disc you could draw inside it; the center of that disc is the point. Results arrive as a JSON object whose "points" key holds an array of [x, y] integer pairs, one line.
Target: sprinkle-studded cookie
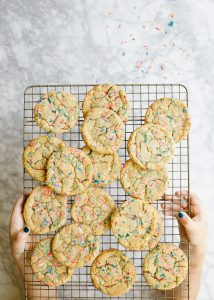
{"points": [[165, 267], [106, 167], [94, 208], [46, 268], [69, 171], [137, 225], [171, 114], [56, 112], [151, 146], [113, 273], [74, 245], [147, 185], [107, 96], [36, 154], [44, 210], [103, 130]]}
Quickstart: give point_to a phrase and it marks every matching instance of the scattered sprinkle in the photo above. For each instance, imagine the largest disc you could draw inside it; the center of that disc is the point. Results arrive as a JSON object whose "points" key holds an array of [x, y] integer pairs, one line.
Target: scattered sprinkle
{"points": [[138, 64], [157, 28], [162, 66], [171, 23]]}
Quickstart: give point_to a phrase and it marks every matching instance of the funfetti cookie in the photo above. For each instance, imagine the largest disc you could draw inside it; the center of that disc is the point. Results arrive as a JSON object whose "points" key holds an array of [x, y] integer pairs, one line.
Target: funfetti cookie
{"points": [[137, 225], [171, 114], [46, 268], [37, 153], [106, 167], [113, 273], [151, 146], [147, 185], [44, 210], [107, 96], [56, 112], [103, 130], [165, 267]]}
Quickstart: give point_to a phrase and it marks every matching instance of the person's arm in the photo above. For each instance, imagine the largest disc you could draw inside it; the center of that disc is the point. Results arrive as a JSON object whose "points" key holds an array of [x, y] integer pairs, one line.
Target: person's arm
{"points": [[19, 235], [192, 228]]}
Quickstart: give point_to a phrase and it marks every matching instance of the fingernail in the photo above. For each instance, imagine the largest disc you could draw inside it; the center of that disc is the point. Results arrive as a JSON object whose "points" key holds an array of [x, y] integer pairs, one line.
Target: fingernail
{"points": [[181, 214], [26, 229]]}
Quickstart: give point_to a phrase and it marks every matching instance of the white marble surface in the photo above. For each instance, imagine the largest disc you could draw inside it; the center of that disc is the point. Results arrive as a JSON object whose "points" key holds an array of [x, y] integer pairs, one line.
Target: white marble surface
{"points": [[87, 41]]}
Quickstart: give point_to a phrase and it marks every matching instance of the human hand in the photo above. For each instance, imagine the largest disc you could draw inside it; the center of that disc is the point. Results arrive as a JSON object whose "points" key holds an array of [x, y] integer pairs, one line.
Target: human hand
{"points": [[193, 226], [18, 234]]}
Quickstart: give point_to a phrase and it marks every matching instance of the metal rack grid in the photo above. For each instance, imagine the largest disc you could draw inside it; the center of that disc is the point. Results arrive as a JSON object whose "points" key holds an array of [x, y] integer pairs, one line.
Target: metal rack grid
{"points": [[80, 286]]}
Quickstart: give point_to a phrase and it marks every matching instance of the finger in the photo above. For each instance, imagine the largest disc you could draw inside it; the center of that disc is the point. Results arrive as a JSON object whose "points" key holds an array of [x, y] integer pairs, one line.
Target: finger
{"points": [[176, 200], [170, 213], [173, 206], [194, 199], [183, 194], [16, 220], [184, 219], [19, 241], [169, 197], [196, 207]]}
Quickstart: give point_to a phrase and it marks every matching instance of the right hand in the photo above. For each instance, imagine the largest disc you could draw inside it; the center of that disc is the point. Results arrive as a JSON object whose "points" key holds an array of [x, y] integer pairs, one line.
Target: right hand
{"points": [[193, 226]]}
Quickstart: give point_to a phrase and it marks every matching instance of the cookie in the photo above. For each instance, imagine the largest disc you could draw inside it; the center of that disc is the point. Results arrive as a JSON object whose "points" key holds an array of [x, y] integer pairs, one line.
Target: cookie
{"points": [[102, 130], [171, 114], [45, 211], [56, 112], [113, 273], [165, 267], [74, 245], [107, 96], [36, 154], [151, 146], [46, 268], [137, 225], [147, 185], [106, 167], [94, 208], [69, 171]]}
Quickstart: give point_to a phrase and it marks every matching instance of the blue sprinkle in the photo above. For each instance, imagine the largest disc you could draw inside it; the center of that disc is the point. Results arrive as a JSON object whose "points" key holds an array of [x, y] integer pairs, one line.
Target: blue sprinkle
{"points": [[171, 23], [96, 181]]}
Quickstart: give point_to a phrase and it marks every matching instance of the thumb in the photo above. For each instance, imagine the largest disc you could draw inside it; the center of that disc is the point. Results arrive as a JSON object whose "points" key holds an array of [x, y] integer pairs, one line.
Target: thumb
{"points": [[20, 240], [184, 219]]}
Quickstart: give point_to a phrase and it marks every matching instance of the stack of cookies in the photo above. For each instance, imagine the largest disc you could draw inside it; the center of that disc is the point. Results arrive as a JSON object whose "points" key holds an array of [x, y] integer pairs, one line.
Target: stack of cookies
{"points": [[136, 224]]}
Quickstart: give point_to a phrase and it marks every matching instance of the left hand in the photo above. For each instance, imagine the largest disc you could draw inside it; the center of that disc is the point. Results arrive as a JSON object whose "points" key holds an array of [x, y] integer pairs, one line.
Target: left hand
{"points": [[18, 234]]}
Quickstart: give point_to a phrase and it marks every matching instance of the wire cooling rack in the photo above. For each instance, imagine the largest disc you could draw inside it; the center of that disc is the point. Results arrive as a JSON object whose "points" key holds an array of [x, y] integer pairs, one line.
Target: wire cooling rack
{"points": [[80, 285]]}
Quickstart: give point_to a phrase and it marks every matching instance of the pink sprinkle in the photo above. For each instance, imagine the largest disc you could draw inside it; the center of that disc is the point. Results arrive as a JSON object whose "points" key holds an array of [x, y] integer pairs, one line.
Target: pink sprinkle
{"points": [[157, 28]]}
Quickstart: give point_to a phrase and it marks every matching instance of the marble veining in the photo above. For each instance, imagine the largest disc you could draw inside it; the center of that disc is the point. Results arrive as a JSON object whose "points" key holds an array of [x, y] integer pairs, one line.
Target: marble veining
{"points": [[91, 41]]}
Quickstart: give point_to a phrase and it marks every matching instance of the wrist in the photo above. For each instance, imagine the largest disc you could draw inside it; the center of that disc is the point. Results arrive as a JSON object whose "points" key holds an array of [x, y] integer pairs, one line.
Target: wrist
{"points": [[197, 254], [19, 260]]}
